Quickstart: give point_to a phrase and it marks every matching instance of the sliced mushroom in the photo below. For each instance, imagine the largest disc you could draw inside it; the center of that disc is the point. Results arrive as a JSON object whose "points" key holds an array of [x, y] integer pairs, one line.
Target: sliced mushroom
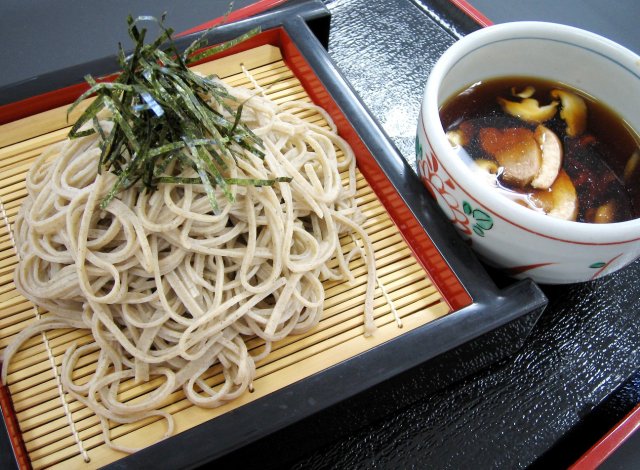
{"points": [[456, 138], [631, 166], [516, 150], [551, 148], [561, 200], [526, 199], [461, 136], [527, 92], [487, 170], [488, 166], [529, 109], [605, 214], [574, 111]]}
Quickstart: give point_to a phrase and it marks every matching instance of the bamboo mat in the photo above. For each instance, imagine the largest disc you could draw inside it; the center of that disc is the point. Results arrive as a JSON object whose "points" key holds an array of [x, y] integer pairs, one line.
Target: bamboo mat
{"points": [[56, 429]]}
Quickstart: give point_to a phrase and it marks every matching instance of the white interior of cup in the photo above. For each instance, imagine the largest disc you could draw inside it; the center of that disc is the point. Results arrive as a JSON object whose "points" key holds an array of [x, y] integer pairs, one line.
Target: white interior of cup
{"points": [[597, 66]]}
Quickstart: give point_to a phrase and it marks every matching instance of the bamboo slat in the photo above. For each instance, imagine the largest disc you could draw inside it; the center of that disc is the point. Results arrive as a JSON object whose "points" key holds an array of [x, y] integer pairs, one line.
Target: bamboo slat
{"points": [[48, 427]]}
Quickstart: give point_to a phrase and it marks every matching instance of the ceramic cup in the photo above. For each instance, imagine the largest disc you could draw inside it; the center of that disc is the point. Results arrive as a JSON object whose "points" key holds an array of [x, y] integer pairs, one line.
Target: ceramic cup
{"points": [[520, 241]]}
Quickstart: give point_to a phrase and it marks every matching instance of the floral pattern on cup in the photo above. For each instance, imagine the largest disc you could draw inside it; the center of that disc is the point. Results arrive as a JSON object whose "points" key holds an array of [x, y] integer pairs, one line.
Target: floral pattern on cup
{"points": [[441, 188]]}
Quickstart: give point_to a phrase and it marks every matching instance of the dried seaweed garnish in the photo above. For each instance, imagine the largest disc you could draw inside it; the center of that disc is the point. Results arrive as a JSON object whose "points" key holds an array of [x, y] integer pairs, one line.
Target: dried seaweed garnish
{"points": [[162, 119]]}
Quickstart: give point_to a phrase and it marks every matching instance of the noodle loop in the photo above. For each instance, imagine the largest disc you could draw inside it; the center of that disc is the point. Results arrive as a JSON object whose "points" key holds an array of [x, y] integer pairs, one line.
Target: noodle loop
{"points": [[171, 290]]}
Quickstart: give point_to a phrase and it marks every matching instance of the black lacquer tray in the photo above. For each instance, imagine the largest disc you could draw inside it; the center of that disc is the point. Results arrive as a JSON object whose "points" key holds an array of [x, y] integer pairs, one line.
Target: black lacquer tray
{"points": [[486, 323]]}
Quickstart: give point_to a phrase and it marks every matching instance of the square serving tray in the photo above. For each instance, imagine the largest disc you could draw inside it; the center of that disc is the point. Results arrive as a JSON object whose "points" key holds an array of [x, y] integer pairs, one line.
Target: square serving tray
{"points": [[455, 319]]}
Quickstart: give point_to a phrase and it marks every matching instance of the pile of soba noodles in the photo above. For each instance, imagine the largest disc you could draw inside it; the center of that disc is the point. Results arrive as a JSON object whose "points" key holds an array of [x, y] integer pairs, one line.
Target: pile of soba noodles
{"points": [[167, 287]]}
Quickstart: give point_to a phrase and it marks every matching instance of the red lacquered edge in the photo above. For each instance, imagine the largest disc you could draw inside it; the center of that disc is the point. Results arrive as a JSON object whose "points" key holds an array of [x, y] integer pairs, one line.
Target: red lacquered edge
{"points": [[53, 99], [39, 103], [245, 12], [472, 12], [606, 446], [15, 437]]}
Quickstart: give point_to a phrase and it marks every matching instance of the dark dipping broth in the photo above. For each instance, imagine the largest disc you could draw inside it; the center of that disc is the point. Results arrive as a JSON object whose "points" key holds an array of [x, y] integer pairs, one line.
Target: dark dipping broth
{"points": [[505, 136]]}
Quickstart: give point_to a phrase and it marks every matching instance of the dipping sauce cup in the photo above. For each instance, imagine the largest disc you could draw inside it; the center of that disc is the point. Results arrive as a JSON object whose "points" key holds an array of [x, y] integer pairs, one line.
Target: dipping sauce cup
{"points": [[520, 241]]}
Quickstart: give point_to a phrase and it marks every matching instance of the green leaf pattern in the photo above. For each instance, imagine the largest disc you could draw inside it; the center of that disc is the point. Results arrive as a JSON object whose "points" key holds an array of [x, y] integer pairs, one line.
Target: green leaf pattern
{"points": [[483, 220]]}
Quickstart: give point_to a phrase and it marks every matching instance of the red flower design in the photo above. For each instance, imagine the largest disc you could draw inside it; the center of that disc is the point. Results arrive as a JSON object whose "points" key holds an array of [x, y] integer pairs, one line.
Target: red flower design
{"points": [[441, 189]]}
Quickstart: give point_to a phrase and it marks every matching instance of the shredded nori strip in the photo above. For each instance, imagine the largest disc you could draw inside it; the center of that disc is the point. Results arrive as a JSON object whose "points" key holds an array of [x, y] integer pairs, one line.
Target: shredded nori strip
{"points": [[161, 116]]}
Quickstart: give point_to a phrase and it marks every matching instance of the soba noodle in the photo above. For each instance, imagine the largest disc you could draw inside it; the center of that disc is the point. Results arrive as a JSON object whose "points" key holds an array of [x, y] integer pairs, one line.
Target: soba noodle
{"points": [[170, 289]]}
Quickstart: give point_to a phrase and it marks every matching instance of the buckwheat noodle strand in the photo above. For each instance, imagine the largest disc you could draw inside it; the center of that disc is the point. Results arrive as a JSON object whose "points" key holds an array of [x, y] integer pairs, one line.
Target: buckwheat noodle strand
{"points": [[169, 289]]}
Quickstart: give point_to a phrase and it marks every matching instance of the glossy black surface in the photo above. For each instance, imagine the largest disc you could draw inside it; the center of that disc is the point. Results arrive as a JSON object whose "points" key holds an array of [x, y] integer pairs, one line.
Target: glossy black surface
{"points": [[297, 446], [510, 415], [491, 328], [604, 416], [585, 346], [524, 410]]}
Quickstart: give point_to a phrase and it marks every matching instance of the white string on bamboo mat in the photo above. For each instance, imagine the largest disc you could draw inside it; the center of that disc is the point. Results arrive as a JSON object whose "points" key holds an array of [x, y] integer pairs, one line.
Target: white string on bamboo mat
{"points": [[50, 355]]}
